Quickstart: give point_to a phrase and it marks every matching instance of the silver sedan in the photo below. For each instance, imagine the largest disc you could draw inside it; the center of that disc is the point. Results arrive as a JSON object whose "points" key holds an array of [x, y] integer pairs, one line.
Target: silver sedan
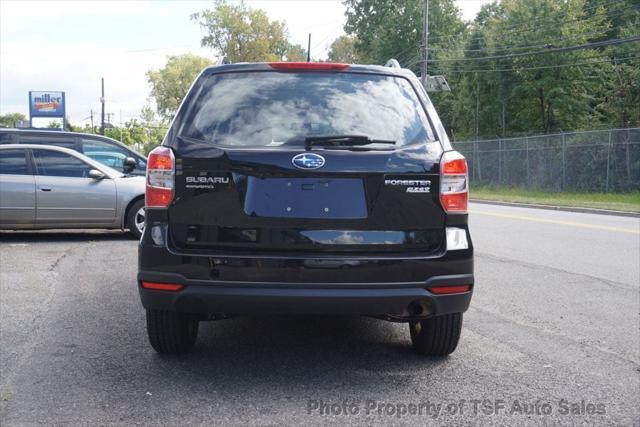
{"points": [[44, 186]]}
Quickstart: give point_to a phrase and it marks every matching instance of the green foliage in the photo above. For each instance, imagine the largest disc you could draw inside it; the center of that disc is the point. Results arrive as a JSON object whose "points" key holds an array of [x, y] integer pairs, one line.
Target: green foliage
{"points": [[620, 103], [295, 53], [628, 202], [9, 120], [514, 93], [242, 34], [142, 134], [343, 49], [170, 84], [393, 28]]}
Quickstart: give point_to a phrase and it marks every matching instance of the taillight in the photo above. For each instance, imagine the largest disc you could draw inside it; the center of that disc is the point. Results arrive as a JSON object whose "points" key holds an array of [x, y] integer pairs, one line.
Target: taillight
{"points": [[319, 66], [454, 182], [160, 178]]}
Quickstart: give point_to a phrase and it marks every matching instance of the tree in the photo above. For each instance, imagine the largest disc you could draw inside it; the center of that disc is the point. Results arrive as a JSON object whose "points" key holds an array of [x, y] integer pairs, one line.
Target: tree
{"points": [[143, 133], [10, 120], [155, 129], [343, 49], [619, 99], [170, 84], [522, 93], [242, 34], [504, 82], [393, 28], [296, 53], [385, 29]]}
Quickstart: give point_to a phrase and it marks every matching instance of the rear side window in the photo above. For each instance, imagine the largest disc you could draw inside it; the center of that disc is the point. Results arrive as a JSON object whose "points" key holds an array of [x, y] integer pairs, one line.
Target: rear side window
{"points": [[13, 162], [105, 152], [48, 140], [54, 163], [271, 109]]}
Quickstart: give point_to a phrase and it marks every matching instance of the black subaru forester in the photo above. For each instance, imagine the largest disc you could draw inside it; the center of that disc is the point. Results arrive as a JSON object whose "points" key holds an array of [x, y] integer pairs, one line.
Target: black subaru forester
{"points": [[310, 188]]}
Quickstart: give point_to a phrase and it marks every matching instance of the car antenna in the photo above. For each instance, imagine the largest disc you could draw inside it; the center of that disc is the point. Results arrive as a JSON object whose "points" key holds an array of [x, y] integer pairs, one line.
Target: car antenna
{"points": [[309, 49]]}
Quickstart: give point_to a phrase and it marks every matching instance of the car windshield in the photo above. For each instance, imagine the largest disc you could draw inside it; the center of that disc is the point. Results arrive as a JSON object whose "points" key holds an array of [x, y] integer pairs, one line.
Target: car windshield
{"points": [[272, 109]]}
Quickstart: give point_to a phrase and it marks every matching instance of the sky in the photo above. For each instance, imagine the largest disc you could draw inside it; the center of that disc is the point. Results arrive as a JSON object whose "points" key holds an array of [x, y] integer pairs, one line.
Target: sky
{"points": [[69, 45]]}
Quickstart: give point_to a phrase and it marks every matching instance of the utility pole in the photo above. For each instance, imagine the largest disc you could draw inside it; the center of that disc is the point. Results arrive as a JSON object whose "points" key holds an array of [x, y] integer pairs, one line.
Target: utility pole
{"points": [[309, 49], [425, 41], [503, 127], [102, 115], [477, 105]]}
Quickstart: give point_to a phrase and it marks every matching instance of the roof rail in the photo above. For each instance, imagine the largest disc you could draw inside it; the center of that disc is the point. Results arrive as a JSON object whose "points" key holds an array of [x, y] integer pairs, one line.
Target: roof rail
{"points": [[222, 60], [393, 63]]}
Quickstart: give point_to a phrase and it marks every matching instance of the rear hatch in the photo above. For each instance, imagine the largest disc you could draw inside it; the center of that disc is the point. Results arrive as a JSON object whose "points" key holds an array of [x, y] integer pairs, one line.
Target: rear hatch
{"points": [[306, 161]]}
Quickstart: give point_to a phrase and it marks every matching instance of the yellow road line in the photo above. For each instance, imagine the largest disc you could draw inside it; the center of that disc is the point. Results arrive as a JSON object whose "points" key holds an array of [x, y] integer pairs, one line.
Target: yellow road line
{"points": [[552, 221]]}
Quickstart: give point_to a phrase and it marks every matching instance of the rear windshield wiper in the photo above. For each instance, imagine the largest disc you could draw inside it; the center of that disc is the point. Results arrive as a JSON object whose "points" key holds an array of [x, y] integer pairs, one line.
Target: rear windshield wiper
{"points": [[343, 140]]}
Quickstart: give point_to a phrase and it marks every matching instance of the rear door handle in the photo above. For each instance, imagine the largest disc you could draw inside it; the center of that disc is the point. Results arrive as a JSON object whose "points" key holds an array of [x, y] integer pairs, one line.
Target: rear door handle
{"points": [[45, 189]]}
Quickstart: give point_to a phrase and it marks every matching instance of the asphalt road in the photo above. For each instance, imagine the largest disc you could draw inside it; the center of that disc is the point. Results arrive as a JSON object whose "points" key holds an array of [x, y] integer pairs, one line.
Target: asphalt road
{"points": [[553, 327]]}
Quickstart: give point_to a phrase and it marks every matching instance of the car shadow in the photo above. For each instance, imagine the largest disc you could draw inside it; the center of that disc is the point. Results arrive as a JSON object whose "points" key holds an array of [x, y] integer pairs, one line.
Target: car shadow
{"points": [[71, 235], [299, 353]]}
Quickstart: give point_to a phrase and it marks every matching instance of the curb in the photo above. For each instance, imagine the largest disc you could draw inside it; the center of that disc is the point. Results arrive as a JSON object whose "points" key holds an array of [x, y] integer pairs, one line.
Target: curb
{"points": [[558, 208]]}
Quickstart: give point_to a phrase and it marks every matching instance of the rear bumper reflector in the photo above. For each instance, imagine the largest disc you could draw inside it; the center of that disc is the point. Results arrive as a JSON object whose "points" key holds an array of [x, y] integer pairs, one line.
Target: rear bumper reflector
{"points": [[171, 287], [441, 290]]}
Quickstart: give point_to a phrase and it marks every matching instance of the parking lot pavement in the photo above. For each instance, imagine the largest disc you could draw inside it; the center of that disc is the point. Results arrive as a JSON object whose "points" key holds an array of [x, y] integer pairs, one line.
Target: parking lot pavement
{"points": [[553, 327]]}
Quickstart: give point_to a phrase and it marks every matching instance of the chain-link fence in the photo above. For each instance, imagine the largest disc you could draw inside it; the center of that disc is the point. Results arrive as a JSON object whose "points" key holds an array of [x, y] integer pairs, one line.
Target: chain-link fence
{"points": [[592, 161]]}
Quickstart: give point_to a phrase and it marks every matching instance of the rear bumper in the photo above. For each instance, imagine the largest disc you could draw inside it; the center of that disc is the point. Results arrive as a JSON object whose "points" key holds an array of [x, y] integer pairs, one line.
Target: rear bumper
{"points": [[344, 284], [400, 300]]}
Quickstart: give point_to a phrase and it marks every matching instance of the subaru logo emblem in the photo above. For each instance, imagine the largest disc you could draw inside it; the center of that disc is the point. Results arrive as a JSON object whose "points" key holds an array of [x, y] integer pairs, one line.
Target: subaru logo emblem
{"points": [[308, 161]]}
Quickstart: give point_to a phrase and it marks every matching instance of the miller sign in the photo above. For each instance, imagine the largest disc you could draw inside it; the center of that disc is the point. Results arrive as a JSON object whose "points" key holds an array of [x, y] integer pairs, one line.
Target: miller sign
{"points": [[46, 104]]}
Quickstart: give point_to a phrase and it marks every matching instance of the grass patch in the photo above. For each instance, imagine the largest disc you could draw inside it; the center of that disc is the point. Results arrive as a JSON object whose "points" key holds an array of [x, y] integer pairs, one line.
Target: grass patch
{"points": [[628, 202]]}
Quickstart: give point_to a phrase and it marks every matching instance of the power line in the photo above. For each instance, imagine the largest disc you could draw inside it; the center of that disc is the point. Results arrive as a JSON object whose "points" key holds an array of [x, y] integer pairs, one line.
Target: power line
{"points": [[490, 67], [404, 58], [520, 30], [321, 42], [545, 51], [112, 52], [586, 9], [542, 67], [540, 44], [517, 29]]}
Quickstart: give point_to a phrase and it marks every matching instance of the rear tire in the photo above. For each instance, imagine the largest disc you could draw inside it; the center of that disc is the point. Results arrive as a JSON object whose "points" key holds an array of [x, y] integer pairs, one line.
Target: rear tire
{"points": [[171, 332], [135, 218], [436, 336]]}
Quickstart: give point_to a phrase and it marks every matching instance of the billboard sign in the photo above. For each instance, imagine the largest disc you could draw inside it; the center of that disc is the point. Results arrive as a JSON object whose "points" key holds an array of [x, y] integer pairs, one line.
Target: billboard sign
{"points": [[46, 104]]}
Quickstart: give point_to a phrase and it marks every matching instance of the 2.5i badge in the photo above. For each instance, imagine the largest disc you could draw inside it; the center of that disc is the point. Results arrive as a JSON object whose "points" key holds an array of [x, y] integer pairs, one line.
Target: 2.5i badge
{"points": [[412, 185]]}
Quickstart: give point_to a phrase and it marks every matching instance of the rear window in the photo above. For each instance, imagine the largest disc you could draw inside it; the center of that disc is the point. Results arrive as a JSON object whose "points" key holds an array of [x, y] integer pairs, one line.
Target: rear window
{"points": [[272, 109]]}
